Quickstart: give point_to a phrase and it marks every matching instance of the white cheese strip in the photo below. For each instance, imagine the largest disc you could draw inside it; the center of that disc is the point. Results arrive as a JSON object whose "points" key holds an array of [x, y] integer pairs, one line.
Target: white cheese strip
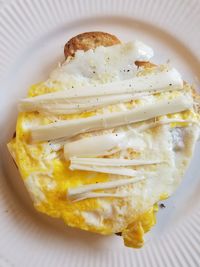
{"points": [[113, 161], [155, 82], [76, 105], [92, 146], [99, 145], [107, 185], [99, 195], [105, 144], [116, 170], [69, 128]]}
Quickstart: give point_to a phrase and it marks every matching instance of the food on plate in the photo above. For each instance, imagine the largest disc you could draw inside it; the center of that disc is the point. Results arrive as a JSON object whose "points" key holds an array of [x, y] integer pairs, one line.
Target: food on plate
{"points": [[106, 137]]}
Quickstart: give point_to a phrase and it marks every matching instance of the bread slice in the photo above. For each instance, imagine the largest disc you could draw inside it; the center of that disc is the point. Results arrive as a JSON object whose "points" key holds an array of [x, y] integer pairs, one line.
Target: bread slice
{"points": [[89, 40]]}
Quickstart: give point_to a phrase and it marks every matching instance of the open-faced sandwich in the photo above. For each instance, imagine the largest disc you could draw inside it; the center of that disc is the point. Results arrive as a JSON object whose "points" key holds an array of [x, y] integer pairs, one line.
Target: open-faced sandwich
{"points": [[106, 137]]}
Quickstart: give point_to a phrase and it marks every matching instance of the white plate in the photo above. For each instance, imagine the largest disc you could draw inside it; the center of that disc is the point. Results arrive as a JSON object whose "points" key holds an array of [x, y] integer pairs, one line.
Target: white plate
{"points": [[32, 36]]}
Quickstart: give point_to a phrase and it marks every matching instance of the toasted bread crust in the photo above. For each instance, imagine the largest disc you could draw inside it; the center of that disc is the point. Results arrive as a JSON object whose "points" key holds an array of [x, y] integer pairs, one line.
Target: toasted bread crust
{"points": [[89, 40], [145, 64]]}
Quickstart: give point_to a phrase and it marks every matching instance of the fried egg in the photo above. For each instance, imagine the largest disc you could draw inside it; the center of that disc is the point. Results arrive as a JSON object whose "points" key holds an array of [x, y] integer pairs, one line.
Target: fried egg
{"points": [[102, 141]]}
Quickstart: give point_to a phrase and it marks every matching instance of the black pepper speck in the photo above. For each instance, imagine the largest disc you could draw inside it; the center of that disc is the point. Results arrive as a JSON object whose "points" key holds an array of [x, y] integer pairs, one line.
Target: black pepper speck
{"points": [[162, 206]]}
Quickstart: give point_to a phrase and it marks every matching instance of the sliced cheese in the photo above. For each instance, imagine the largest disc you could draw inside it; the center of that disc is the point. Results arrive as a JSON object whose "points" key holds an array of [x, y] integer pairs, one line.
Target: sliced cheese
{"points": [[72, 192], [76, 105], [69, 128], [92, 146], [81, 99], [111, 170], [102, 145], [113, 161], [99, 195]]}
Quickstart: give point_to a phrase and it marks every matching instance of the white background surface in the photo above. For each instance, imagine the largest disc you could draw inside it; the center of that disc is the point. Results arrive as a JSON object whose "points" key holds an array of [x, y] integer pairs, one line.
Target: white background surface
{"points": [[33, 34]]}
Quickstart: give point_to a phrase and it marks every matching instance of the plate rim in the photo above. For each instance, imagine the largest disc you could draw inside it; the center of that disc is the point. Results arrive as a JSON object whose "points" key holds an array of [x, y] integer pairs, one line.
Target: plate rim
{"points": [[193, 220]]}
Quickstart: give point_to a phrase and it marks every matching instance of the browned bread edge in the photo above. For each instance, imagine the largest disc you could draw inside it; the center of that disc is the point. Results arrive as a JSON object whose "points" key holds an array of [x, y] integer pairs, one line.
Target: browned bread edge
{"points": [[89, 40]]}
